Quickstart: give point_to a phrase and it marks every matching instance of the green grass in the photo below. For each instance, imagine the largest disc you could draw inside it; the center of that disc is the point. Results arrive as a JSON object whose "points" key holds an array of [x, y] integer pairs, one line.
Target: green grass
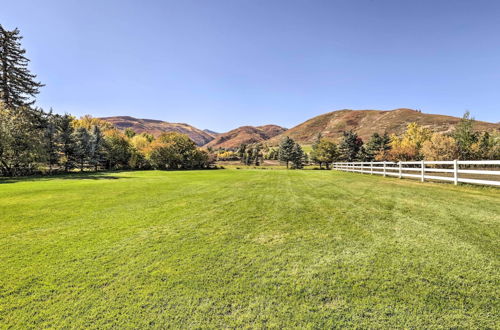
{"points": [[247, 248], [307, 148]]}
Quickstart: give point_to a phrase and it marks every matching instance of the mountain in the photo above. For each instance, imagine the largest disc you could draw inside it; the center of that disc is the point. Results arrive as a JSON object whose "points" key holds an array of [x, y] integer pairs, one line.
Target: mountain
{"points": [[211, 133], [367, 122], [156, 127], [245, 134]]}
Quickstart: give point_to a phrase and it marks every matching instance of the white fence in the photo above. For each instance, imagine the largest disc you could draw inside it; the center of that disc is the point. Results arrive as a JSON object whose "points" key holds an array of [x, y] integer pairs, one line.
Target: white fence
{"points": [[484, 172]]}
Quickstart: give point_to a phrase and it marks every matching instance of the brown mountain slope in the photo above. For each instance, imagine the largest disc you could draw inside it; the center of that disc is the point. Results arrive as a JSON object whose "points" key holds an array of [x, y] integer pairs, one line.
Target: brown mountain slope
{"points": [[211, 133], [367, 122], [245, 134], [156, 127]]}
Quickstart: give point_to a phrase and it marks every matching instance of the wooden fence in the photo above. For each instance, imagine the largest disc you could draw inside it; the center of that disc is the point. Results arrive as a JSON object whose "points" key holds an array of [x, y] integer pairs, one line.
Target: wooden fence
{"points": [[484, 172]]}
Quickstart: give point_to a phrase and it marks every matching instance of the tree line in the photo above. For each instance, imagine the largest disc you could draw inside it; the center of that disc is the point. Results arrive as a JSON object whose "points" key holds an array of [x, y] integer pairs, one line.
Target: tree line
{"points": [[36, 141], [416, 143]]}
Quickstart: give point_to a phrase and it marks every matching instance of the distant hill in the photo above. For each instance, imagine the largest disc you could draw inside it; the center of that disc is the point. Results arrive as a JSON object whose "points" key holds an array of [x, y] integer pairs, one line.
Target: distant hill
{"points": [[156, 127], [245, 134], [367, 122], [211, 133]]}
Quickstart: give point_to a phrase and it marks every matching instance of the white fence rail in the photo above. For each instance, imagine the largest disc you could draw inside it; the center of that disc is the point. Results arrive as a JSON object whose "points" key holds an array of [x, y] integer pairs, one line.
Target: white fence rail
{"points": [[484, 172]]}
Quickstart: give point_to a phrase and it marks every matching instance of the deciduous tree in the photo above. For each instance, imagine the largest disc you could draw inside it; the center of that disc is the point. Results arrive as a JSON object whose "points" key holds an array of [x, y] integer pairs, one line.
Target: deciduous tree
{"points": [[465, 136], [324, 152], [440, 147]]}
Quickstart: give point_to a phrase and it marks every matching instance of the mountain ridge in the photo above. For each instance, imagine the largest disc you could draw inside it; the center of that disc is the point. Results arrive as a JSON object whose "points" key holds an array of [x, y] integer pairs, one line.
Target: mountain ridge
{"points": [[331, 125], [245, 135], [156, 127], [366, 122]]}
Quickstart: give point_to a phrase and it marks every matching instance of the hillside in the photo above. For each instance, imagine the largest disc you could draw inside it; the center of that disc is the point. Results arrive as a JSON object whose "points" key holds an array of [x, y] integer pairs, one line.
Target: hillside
{"points": [[245, 134], [211, 133], [156, 127], [367, 122]]}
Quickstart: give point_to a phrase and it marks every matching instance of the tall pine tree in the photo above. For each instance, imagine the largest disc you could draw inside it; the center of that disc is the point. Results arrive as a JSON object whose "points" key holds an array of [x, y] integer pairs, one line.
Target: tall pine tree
{"points": [[82, 146], [66, 141], [297, 156], [96, 147], [350, 146], [285, 151], [17, 83], [51, 140]]}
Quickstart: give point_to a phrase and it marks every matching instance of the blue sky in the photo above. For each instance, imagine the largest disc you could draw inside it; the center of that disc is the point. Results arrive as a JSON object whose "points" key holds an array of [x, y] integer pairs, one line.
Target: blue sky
{"points": [[221, 64]]}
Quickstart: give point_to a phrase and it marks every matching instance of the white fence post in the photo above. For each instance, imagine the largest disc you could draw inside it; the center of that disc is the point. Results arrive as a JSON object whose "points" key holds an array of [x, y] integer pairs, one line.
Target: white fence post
{"points": [[423, 172], [400, 170], [455, 172], [371, 168], [384, 168]]}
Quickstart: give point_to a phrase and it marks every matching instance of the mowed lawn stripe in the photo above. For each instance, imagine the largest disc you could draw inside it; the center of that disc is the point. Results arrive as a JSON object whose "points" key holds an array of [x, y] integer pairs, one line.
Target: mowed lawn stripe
{"points": [[258, 248]]}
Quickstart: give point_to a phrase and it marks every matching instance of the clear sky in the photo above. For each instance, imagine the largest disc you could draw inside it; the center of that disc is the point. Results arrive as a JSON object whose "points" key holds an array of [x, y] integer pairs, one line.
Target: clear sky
{"points": [[220, 64]]}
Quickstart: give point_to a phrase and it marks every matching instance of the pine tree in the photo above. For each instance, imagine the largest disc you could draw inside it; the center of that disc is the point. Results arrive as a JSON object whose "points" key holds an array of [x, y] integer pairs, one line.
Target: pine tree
{"points": [[285, 150], [21, 140], [377, 145], [257, 154], [242, 152], [82, 146], [17, 84], [66, 141], [130, 133], [349, 146], [297, 156], [51, 140], [96, 147]]}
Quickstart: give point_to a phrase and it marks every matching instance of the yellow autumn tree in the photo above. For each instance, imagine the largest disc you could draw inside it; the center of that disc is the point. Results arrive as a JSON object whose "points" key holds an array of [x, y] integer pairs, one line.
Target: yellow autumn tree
{"points": [[408, 146], [141, 142], [440, 147], [88, 121]]}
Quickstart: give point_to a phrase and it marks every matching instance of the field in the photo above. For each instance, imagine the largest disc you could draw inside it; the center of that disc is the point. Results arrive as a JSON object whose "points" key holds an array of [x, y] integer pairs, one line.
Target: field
{"points": [[249, 248]]}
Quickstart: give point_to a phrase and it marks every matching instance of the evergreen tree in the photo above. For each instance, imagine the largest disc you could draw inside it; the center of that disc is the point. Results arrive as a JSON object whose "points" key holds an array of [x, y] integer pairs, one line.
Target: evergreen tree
{"points": [[96, 147], [129, 132], [21, 140], [82, 146], [242, 153], [17, 84], [285, 151], [66, 141], [350, 146], [297, 156], [51, 140], [378, 145], [363, 155], [257, 154], [485, 143]]}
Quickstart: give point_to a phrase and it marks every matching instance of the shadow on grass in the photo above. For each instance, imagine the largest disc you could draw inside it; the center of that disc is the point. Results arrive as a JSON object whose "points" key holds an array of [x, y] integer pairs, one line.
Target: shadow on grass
{"points": [[67, 176]]}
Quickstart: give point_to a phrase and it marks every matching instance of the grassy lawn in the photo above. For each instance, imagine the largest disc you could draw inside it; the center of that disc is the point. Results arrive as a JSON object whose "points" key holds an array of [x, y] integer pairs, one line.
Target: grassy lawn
{"points": [[252, 248]]}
